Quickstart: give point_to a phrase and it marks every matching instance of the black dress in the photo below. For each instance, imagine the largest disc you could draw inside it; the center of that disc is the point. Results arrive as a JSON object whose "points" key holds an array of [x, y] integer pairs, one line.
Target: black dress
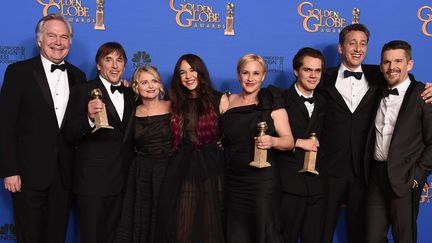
{"points": [[252, 194], [191, 197], [154, 147]]}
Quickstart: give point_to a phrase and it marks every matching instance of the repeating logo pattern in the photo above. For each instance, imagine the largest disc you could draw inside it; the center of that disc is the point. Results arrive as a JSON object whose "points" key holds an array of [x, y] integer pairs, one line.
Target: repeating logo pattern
{"points": [[424, 14], [11, 54], [141, 58], [72, 10], [196, 15], [320, 20]]}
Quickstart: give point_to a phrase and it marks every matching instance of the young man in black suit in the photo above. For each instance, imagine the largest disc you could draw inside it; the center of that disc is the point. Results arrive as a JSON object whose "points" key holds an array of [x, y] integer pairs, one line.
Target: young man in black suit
{"points": [[35, 160], [351, 94], [302, 199], [102, 156], [399, 154]]}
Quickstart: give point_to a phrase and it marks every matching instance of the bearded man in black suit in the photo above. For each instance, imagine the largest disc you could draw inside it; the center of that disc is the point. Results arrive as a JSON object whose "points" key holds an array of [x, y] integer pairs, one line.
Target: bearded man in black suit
{"points": [[35, 160], [399, 155]]}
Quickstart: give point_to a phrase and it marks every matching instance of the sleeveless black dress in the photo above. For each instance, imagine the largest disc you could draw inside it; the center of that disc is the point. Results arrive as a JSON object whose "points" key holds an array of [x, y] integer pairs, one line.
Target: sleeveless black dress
{"points": [[191, 197], [154, 147], [252, 194]]}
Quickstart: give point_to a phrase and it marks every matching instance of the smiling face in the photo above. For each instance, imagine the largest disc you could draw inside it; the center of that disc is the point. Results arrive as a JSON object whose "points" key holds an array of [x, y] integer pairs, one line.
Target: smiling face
{"points": [[54, 40], [251, 76], [309, 74], [188, 76], [111, 67], [395, 66], [148, 86], [353, 49]]}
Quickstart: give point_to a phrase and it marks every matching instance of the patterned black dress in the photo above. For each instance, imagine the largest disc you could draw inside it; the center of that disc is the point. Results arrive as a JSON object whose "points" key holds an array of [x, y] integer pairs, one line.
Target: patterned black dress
{"points": [[154, 148]]}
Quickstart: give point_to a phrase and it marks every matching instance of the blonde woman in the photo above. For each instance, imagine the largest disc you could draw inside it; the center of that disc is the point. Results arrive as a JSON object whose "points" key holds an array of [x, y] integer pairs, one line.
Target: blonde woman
{"points": [[152, 135]]}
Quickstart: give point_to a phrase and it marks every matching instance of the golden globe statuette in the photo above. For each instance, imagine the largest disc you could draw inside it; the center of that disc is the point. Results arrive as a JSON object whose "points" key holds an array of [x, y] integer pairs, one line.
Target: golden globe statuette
{"points": [[356, 16], [101, 119], [99, 25], [229, 23], [260, 156], [310, 159]]}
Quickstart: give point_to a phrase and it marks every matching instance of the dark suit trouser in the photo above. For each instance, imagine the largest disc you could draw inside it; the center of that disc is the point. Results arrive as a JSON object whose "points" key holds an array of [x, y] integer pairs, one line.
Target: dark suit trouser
{"points": [[41, 216], [302, 216], [98, 217], [385, 208], [349, 190]]}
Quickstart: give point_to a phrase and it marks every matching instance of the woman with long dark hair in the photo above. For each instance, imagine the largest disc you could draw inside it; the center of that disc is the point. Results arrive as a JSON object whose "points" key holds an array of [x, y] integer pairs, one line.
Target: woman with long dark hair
{"points": [[191, 196]]}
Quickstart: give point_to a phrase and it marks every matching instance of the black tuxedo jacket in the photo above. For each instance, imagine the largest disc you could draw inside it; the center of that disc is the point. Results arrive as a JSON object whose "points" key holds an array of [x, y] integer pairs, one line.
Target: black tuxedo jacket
{"points": [[410, 151], [290, 162], [103, 157], [344, 133], [31, 143]]}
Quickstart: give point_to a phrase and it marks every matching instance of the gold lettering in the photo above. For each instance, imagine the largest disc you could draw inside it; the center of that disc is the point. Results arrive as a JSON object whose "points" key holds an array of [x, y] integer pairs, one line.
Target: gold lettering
{"points": [[425, 21]]}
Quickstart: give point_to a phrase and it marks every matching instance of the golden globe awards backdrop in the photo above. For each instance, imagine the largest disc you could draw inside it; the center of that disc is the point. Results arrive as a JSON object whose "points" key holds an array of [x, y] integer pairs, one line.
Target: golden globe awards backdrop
{"points": [[157, 32]]}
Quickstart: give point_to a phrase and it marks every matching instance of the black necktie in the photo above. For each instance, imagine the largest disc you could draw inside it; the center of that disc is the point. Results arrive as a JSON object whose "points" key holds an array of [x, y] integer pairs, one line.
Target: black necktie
{"points": [[387, 92], [310, 99], [119, 88], [62, 67], [356, 75]]}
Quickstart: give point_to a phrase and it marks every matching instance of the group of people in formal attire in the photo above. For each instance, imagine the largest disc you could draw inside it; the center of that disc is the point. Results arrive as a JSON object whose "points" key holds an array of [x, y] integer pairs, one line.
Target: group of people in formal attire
{"points": [[176, 168]]}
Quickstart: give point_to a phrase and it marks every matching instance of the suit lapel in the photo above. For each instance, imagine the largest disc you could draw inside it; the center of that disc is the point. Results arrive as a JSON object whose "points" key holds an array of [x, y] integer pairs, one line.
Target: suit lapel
{"points": [[41, 79], [403, 110], [298, 102], [109, 106], [314, 117], [332, 91]]}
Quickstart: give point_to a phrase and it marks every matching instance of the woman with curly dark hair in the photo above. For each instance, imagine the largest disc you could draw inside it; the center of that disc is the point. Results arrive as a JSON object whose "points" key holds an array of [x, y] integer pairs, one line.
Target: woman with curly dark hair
{"points": [[191, 196]]}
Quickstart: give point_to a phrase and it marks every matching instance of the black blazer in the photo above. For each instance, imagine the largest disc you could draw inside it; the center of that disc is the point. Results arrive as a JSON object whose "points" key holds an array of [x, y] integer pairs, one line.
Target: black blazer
{"points": [[410, 151], [344, 133], [290, 162], [31, 143], [103, 157]]}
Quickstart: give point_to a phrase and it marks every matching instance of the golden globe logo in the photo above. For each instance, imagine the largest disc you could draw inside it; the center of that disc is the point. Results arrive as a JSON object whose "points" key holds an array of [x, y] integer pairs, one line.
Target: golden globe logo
{"points": [[424, 14], [320, 20], [72, 10], [196, 15]]}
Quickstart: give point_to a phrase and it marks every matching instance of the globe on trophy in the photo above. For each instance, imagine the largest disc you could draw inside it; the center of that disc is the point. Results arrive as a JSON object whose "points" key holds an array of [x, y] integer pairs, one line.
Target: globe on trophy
{"points": [[356, 16], [99, 25], [229, 23]]}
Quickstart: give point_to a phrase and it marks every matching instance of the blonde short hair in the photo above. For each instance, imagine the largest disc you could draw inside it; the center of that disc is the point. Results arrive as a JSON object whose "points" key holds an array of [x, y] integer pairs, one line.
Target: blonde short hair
{"points": [[152, 71], [249, 58]]}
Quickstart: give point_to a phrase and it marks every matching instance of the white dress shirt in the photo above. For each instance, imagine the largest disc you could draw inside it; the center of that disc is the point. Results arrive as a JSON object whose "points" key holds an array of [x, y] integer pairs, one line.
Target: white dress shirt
{"points": [[385, 120], [351, 89], [309, 106], [59, 87]]}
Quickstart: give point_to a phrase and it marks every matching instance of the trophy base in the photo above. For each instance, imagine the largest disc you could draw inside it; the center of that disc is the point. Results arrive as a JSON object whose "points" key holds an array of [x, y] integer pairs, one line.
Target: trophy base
{"points": [[259, 164], [229, 32], [103, 126], [313, 171], [99, 27]]}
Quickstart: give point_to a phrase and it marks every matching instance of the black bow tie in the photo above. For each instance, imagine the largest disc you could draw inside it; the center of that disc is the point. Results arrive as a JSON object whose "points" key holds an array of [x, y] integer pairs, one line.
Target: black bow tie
{"points": [[387, 92], [62, 67], [119, 88], [310, 99], [356, 75]]}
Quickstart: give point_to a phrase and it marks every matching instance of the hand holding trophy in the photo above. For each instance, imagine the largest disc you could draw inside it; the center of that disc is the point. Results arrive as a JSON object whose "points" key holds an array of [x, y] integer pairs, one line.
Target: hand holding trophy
{"points": [[310, 159], [101, 119], [260, 155]]}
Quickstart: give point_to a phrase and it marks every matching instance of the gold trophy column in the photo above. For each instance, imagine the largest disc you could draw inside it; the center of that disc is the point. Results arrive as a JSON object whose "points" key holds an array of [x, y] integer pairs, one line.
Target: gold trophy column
{"points": [[101, 119], [260, 156], [310, 159]]}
